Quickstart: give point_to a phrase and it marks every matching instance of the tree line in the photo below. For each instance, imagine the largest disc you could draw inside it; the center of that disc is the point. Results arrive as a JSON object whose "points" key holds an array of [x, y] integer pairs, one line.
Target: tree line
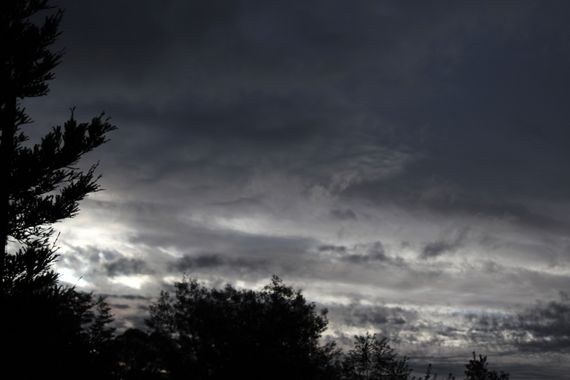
{"points": [[50, 330]]}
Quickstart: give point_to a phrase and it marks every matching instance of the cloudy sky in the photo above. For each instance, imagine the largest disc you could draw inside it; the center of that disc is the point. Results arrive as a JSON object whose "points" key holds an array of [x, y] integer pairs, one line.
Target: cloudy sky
{"points": [[404, 163]]}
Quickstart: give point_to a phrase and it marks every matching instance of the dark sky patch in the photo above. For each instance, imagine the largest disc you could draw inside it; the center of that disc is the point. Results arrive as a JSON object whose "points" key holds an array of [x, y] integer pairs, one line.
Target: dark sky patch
{"points": [[346, 214], [213, 261], [124, 266]]}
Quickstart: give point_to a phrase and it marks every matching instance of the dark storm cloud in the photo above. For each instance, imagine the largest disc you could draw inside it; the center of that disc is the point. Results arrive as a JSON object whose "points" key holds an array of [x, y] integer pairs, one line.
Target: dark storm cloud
{"points": [[543, 328], [112, 263], [405, 327], [443, 246], [534, 336], [338, 249], [368, 253], [439, 196], [375, 252], [437, 248], [549, 323], [271, 79], [119, 305], [124, 266], [183, 236], [213, 261], [91, 254], [128, 297], [378, 316], [345, 214], [241, 204]]}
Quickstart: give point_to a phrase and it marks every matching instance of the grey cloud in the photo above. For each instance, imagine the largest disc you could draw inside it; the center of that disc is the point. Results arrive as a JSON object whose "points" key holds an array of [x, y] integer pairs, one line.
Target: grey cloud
{"points": [[415, 331], [440, 247], [119, 306], [212, 261], [127, 266], [437, 248], [543, 328], [241, 204], [379, 316], [313, 48], [290, 89], [339, 249], [374, 253], [199, 261], [88, 253], [227, 241], [129, 297], [390, 322], [344, 214], [514, 212], [361, 254]]}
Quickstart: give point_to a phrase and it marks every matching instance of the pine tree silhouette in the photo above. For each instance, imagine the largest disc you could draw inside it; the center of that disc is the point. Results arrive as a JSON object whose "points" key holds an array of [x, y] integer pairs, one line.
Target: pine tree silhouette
{"points": [[42, 323], [40, 184]]}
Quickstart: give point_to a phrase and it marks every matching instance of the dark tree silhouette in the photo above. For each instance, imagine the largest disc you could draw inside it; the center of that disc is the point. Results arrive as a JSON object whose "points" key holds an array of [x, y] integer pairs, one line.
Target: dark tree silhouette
{"points": [[432, 376], [137, 355], [44, 326], [372, 358], [100, 335], [40, 184], [227, 333], [477, 369]]}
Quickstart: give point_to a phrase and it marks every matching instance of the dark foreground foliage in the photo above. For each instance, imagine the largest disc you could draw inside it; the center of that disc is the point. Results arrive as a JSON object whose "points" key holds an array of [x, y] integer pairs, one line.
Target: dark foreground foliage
{"points": [[47, 330], [218, 333], [274, 333], [195, 333]]}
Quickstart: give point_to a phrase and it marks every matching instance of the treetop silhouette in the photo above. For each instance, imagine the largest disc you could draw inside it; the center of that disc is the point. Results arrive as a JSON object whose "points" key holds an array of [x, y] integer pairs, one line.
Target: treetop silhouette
{"points": [[47, 329], [220, 333], [39, 184]]}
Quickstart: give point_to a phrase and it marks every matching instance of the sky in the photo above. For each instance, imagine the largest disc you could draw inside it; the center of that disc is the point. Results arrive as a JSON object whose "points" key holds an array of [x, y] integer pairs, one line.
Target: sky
{"points": [[402, 162]]}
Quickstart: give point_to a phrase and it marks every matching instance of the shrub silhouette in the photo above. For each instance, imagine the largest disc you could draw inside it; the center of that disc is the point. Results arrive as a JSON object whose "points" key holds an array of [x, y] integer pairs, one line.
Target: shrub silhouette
{"points": [[372, 358], [222, 333], [477, 369]]}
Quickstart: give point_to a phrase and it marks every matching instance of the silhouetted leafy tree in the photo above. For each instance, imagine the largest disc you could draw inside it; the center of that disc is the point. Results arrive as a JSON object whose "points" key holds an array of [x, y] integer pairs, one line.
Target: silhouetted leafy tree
{"points": [[137, 355], [226, 333], [40, 183], [373, 359], [431, 376], [477, 369], [100, 334], [100, 330], [43, 324], [42, 333]]}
